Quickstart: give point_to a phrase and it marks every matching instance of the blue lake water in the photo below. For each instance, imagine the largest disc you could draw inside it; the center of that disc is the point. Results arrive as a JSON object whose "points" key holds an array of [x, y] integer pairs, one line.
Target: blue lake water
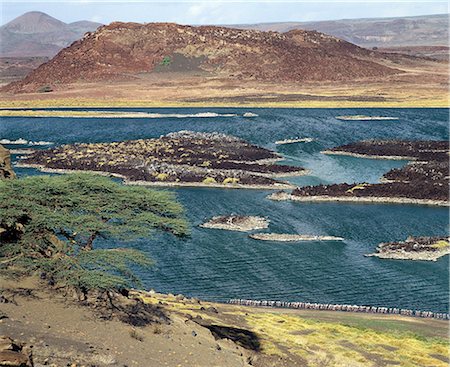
{"points": [[219, 265]]}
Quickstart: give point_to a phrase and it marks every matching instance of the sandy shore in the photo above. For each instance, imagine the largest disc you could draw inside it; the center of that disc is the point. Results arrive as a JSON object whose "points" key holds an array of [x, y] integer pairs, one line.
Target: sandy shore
{"points": [[352, 199], [73, 114], [159, 183], [16, 112]]}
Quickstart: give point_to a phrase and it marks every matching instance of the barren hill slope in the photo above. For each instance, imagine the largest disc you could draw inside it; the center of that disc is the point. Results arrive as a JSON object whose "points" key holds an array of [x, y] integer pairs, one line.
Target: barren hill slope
{"points": [[123, 51]]}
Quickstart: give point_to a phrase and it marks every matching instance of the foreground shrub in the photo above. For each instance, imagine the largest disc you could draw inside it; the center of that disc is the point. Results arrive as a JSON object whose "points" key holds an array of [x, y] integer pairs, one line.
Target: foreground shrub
{"points": [[49, 224]]}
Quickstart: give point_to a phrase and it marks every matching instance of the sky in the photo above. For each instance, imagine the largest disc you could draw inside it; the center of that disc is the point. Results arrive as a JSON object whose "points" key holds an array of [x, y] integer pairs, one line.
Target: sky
{"points": [[218, 11]]}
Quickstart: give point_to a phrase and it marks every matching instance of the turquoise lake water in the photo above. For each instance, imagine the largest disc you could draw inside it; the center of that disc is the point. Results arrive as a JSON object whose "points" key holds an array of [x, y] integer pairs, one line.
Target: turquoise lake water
{"points": [[218, 265]]}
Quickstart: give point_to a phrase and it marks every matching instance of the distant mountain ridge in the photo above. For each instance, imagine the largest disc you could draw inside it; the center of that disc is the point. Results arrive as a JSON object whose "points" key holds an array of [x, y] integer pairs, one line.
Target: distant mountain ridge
{"points": [[129, 50], [425, 30], [38, 34]]}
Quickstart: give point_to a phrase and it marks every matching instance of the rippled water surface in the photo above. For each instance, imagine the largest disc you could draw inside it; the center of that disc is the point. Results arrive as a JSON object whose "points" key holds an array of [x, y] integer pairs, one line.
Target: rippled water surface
{"points": [[214, 264]]}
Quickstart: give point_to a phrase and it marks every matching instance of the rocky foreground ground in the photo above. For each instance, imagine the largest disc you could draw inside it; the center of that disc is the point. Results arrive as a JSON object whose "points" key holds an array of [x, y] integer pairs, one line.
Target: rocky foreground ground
{"points": [[182, 158], [151, 329]]}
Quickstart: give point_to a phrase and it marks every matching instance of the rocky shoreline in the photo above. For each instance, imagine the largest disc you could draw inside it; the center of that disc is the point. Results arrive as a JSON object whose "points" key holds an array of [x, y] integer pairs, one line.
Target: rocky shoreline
{"points": [[284, 237], [237, 223], [184, 158], [414, 248]]}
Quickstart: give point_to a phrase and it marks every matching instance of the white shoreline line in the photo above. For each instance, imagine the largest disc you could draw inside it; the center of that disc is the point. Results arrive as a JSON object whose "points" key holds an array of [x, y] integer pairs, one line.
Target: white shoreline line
{"points": [[340, 307]]}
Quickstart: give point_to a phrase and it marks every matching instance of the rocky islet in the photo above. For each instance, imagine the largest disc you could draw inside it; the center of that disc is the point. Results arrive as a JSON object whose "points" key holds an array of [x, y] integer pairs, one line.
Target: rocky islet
{"points": [[414, 248], [181, 158], [425, 180]]}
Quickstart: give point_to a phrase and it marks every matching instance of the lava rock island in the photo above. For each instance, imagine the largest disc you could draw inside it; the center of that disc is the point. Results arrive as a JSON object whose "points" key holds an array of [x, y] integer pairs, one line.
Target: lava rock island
{"points": [[183, 158], [425, 180]]}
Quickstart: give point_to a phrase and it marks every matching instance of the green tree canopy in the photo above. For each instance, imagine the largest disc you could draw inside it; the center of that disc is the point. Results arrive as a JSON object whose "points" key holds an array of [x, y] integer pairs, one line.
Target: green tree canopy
{"points": [[50, 224]]}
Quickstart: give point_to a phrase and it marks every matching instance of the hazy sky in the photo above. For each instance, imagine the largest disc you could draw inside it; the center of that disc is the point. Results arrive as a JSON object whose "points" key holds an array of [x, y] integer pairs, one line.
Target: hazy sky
{"points": [[218, 11]]}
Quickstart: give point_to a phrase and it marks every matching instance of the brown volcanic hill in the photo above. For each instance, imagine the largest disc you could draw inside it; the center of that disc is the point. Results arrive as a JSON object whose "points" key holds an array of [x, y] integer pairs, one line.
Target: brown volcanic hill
{"points": [[126, 50]]}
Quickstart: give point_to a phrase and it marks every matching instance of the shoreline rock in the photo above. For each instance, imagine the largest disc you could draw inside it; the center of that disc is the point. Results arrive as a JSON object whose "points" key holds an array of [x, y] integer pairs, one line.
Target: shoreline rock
{"points": [[236, 223]]}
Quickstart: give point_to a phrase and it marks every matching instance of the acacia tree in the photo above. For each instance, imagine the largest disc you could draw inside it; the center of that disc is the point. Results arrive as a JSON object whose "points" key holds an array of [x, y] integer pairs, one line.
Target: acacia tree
{"points": [[49, 224]]}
